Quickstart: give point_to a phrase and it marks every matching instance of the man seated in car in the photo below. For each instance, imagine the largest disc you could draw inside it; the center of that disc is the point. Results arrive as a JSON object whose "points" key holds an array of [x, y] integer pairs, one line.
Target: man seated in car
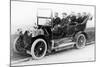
{"points": [[84, 19], [81, 21], [56, 19], [84, 16], [78, 18], [72, 18], [81, 18], [64, 20], [62, 25]]}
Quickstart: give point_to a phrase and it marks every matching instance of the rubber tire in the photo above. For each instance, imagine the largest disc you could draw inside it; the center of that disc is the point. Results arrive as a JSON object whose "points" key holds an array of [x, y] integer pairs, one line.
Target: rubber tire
{"points": [[14, 47], [32, 49], [76, 37]]}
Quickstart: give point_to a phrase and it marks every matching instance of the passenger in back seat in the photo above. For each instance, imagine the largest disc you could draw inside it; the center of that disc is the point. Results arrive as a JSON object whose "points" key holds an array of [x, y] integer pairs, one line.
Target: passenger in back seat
{"points": [[79, 18]]}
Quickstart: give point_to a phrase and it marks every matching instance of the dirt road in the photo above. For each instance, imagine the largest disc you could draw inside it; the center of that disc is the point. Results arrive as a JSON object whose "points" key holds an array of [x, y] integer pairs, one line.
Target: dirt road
{"points": [[69, 55]]}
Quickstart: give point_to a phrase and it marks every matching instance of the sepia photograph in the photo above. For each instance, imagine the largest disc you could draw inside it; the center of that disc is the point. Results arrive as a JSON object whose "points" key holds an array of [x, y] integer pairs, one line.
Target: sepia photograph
{"points": [[44, 33]]}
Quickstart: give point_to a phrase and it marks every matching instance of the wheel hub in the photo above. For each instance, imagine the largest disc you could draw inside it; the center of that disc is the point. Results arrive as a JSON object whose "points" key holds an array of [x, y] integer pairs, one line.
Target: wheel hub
{"points": [[81, 41]]}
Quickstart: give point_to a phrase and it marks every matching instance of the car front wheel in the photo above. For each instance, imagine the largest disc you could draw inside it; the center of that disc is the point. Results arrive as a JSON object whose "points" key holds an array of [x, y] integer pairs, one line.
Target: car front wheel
{"points": [[17, 45], [39, 49]]}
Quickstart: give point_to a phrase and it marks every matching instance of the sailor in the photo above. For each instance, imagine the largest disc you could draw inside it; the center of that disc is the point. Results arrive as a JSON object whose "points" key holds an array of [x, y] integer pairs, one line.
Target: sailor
{"points": [[79, 18], [72, 18], [64, 20], [56, 19], [64, 23], [84, 16]]}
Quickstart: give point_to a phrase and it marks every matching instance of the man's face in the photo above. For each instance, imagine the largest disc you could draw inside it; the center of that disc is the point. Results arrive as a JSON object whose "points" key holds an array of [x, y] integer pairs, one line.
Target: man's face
{"points": [[56, 14], [79, 15], [72, 14], [84, 13], [64, 15]]}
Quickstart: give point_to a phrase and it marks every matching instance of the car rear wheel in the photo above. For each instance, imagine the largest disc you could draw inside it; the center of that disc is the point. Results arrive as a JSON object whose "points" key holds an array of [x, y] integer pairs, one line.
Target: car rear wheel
{"points": [[39, 49], [80, 41]]}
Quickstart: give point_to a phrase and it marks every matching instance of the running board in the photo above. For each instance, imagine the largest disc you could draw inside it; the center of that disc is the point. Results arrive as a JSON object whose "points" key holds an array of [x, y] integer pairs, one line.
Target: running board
{"points": [[64, 45]]}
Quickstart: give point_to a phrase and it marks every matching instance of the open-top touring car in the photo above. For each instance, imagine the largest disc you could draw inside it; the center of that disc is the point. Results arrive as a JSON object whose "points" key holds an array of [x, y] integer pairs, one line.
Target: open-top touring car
{"points": [[42, 39]]}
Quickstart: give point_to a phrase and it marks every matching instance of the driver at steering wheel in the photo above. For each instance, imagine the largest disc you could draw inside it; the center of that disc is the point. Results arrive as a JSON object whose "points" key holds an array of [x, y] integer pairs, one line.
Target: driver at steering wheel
{"points": [[56, 19], [63, 22], [60, 28]]}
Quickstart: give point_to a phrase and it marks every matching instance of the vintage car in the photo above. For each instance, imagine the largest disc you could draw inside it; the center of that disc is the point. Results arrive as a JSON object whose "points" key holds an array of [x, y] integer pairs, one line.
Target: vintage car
{"points": [[42, 39]]}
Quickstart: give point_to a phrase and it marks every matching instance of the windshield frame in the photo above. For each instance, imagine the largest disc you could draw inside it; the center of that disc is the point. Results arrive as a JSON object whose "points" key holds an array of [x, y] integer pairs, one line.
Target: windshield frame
{"points": [[42, 17]]}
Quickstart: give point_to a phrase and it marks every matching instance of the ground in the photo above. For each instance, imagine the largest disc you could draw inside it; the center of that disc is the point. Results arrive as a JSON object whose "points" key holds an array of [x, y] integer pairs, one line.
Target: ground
{"points": [[68, 55]]}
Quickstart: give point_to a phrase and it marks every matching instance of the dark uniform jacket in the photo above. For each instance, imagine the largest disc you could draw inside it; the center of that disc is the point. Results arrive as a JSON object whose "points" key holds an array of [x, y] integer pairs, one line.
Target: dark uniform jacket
{"points": [[62, 28], [56, 21], [79, 20], [83, 18], [72, 18], [64, 21]]}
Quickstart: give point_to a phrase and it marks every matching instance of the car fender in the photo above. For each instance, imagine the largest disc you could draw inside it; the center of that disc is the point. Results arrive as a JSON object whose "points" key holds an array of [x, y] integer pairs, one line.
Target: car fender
{"points": [[81, 32], [37, 32]]}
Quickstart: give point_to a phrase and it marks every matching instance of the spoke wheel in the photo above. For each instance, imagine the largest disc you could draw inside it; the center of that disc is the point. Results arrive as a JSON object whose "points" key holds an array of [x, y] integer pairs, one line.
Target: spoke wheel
{"points": [[81, 41], [17, 45], [38, 49]]}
